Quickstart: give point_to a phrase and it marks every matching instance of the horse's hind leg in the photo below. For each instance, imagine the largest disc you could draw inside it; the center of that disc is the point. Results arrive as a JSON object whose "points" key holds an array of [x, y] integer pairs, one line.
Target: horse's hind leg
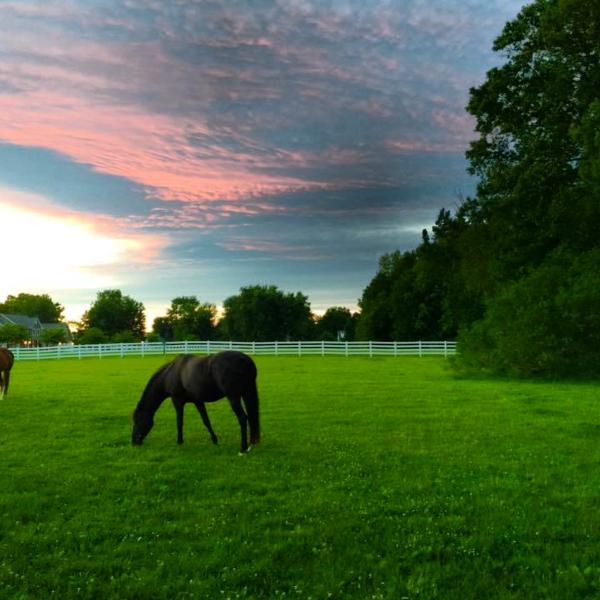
{"points": [[242, 418], [179, 411], [202, 410], [2, 388]]}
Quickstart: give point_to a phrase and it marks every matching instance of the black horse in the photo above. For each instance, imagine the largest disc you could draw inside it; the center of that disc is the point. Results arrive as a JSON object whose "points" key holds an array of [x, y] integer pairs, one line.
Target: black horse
{"points": [[7, 360], [198, 380]]}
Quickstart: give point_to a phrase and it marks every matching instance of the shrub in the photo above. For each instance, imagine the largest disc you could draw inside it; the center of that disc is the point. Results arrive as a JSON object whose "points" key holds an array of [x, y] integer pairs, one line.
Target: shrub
{"points": [[545, 324]]}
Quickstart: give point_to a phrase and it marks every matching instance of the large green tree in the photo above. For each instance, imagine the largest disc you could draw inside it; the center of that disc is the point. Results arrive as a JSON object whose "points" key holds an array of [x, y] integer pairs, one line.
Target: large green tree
{"points": [[114, 313], [187, 319], [528, 154], [265, 313], [33, 305], [537, 160]]}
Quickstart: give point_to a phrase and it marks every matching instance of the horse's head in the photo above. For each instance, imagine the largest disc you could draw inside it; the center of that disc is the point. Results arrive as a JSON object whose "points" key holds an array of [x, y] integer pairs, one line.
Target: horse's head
{"points": [[142, 424]]}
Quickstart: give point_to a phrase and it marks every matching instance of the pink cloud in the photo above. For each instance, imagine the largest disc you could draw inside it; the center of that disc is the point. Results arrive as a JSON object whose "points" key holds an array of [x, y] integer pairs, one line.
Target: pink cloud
{"points": [[150, 149]]}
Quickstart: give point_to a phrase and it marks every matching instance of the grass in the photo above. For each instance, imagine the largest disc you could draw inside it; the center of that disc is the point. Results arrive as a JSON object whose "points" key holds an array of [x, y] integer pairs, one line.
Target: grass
{"points": [[376, 478]]}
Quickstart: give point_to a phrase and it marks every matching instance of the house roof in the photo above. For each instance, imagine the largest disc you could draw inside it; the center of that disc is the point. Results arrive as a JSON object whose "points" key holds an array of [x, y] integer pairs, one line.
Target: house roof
{"points": [[56, 326], [24, 320], [63, 326]]}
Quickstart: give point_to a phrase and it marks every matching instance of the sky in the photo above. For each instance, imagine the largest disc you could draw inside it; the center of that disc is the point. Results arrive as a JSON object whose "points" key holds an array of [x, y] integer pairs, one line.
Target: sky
{"points": [[171, 148]]}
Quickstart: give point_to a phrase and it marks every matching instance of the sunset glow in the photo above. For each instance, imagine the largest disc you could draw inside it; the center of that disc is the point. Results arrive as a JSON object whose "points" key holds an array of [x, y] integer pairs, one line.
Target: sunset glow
{"points": [[58, 252]]}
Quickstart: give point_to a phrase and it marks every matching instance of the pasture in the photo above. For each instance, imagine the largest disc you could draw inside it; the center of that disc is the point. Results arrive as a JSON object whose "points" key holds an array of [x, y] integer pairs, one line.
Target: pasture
{"points": [[377, 478]]}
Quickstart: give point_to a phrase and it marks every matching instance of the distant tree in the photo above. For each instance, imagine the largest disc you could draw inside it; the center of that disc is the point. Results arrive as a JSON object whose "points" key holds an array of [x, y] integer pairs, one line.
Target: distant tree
{"points": [[189, 319], [376, 321], [13, 335], [336, 323], [113, 313], [124, 337], [92, 335], [428, 292], [163, 328], [33, 305], [53, 336], [265, 313]]}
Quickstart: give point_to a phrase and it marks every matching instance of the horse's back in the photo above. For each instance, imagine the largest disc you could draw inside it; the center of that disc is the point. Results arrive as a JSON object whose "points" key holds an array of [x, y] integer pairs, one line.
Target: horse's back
{"points": [[228, 373]]}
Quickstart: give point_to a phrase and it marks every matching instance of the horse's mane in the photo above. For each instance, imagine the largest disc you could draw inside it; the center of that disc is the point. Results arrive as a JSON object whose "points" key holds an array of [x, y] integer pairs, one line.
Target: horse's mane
{"points": [[160, 372]]}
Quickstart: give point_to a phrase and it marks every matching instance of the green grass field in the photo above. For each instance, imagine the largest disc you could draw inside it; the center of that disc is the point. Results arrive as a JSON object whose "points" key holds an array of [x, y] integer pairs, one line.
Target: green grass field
{"points": [[376, 478]]}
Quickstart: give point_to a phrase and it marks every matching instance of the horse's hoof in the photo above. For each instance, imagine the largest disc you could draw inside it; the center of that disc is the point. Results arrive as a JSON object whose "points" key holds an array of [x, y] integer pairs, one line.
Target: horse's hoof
{"points": [[241, 454]]}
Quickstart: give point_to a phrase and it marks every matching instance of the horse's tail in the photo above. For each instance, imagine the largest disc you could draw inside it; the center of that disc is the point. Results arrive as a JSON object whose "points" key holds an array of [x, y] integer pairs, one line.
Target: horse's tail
{"points": [[251, 403]]}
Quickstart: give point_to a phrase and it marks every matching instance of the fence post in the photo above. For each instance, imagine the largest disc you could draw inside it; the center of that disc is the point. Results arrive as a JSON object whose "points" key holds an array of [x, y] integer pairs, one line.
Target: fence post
{"points": [[420, 349], [322, 347], [37, 352], [79, 352], [445, 349], [370, 349], [207, 346], [99, 350], [395, 348], [253, 347], [276, 349], [346, 348], [121, 348]]}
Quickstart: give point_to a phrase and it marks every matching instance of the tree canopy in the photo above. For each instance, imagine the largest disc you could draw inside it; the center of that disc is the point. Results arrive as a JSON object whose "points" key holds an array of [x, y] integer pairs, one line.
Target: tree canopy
{"points": [[33, 305], [265, 313], [336, 323], [114, 313], [187, 319]]}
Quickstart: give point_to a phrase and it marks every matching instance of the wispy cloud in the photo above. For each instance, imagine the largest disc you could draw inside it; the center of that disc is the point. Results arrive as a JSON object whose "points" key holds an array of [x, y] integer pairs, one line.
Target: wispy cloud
{"points": [[223, 124], [198, 101]]}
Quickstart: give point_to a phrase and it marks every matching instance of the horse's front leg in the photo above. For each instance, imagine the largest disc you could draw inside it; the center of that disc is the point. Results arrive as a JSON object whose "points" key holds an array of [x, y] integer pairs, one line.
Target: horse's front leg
{"points": [[202, 410], [178, 404]]}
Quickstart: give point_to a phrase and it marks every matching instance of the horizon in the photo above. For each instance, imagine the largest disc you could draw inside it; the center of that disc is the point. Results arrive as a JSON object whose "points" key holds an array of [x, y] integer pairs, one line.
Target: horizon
{"points": [[193, 149]]}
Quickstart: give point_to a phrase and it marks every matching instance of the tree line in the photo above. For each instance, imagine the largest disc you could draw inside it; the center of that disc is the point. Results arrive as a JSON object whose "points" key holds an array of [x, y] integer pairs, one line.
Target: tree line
{"points": [[257, 313], [514, 272]]}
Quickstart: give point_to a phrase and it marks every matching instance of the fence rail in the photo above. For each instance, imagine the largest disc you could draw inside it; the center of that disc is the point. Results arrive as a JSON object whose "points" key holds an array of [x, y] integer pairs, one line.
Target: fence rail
{"points": [[418, 348]]}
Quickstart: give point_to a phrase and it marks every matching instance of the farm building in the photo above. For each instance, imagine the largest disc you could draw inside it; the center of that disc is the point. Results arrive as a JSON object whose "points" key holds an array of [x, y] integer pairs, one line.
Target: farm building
{"points": [[33, 324], [35, 327]]}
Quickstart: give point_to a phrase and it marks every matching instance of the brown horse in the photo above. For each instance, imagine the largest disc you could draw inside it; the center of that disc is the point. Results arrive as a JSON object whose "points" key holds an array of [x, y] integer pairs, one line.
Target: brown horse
{"points": [[7, 360]]}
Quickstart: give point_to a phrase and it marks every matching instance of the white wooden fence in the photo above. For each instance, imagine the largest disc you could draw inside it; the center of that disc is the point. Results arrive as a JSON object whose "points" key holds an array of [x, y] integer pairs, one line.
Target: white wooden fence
{"points": [[273, 348]]}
